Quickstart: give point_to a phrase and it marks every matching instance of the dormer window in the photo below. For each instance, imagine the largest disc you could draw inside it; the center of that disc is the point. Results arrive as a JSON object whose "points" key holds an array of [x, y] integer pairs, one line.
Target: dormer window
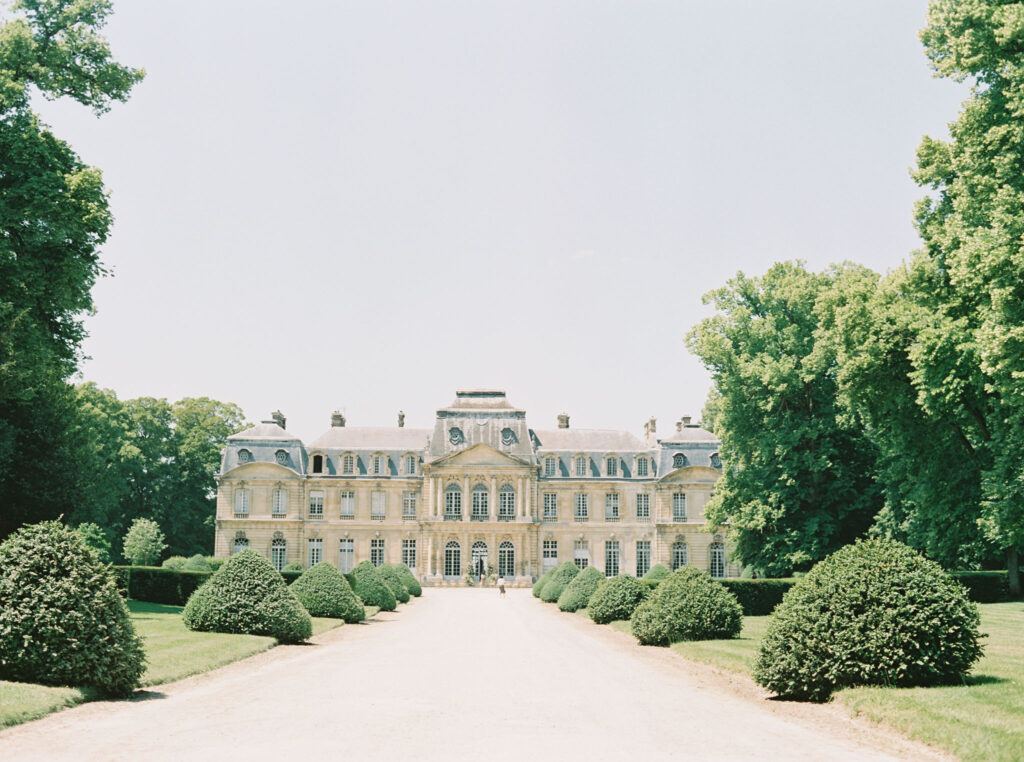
{"points": [[581, 465], [716, 460], [348, 464], [642, 467], [318, 464], [611, 466], [678, 460], [550, 464], [281, 456], [380, 465], [244, 456], [410, 464]]}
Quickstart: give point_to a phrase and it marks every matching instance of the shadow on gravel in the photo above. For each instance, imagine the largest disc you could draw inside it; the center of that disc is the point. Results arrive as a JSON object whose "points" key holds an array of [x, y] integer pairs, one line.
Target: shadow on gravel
{"points": [[146, 696]]}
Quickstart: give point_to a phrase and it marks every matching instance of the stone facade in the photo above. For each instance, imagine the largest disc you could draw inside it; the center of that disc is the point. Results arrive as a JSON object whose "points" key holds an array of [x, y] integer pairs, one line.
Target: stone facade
{"points": [[480, 490]]}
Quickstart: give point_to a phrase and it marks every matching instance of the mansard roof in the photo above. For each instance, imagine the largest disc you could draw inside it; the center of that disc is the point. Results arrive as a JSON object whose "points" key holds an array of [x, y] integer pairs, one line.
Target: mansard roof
{"points": [[588, 440], [371, 438], [264, 430], [689, 434]]}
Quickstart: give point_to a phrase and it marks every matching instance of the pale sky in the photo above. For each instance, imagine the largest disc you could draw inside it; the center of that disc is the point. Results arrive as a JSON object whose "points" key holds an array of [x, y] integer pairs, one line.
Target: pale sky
{"points": [[369, 205]]}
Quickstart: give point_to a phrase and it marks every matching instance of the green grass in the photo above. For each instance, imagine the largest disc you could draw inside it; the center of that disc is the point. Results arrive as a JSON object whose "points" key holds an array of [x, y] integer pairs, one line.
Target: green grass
{"points": [[21, 702]]}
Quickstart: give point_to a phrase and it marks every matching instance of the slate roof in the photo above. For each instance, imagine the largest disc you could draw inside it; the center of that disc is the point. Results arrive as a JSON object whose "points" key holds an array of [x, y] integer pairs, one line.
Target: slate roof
{"points": [[371, 438], [264, 430], [588, 440], [689, 434]]}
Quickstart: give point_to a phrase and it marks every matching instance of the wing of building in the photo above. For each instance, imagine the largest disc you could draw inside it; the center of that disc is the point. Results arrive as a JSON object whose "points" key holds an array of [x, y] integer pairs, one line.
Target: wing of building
{"points": [[480, 492]]}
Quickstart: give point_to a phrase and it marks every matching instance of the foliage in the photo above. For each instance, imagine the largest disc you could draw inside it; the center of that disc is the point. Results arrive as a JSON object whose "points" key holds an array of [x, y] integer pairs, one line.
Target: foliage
{"points": [[371, 588], [198, 563], [541, 581], [561, 577], [62, 621], [687, 605], [324, 592], [94, 536], [159, 585], [658, 571], [616, 599], [174, 562], [409, 580], [393, 580], [577, 593], [294, 566], [873, 613], [984, 586], [215, 563], [144, 542], [247, 595], [757, 597]]}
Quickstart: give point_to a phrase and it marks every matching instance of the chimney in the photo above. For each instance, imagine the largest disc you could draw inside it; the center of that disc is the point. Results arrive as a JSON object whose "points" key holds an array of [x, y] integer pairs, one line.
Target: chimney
{"points": [[337, 419], [679, 425], [650, 428], [279, 418], [563, 420], [686, 420], [401, 419]]}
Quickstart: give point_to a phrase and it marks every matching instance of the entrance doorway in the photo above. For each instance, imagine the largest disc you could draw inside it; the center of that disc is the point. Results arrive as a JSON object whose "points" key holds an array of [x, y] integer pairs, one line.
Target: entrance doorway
{"points": [[506, 560], [452, 560], [479, 553]]}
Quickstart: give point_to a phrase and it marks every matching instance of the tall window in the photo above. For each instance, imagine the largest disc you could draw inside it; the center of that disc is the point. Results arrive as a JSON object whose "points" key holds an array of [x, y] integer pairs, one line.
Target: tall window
{"points": [[717, 550], [642, 467], [581, 465], [549, 555], [643, 507], [678, 555], [346, 555], [376, 552], [581, 554], [611, 466], [316, 505], [678, 460], [678, 507], [241, 502], [348, 464], [318, 464], [506, 503], [506, 559], [278, 554], [549, 466], [611, 506], [348, 504], [481, 505], [611, 558], [378, 505], [408, 505], [643, 557], [241, 543], [380, 464], [551, 506], [279, 506], [316, 551], [478, 557], [409, 553], [452, 559], [582, 507], [453, 503], [410, 464]]}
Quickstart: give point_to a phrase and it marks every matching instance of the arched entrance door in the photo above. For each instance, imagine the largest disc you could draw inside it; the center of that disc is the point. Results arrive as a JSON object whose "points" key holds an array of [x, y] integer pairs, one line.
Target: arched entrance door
{"points": [[452, 560], [506, 559], [479, 553]]}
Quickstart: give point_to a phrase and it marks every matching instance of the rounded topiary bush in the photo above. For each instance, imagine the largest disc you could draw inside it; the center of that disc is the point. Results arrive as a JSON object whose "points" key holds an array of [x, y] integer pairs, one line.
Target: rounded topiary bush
{"points": [[393, 580], [323, 591], [872, 613], [371, 588], [294, 566], [616, 599], [215, 563], [409, 580], [246, 595], [687, 605], [658, 571], [577, 593], [174, 562], [197, 562], [62, 620], [541, 581], [561, 578]]}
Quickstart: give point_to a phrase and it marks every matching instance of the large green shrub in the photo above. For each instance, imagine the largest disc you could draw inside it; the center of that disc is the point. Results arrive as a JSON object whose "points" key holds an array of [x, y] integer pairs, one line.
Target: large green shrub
{"points": [[687, 605], [542, 580], [156, 585], [658, 571], [174, 562], [371, 588], [984, 586], [324, 592], [616, 599], [872, 613], [393, 580], [198, 562], [247, 595], [577, 593], [96, 538], [563, 575], [143, 543], [409, 580], [62, 620]]}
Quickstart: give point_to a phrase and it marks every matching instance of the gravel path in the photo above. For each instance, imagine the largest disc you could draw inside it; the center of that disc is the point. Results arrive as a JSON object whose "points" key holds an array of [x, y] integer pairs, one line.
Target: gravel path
{"points": [[459, 674]]}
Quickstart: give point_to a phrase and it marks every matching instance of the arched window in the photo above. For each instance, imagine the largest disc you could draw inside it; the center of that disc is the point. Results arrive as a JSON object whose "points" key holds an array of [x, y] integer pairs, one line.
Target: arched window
{"points": [[452, 560], [479, 554], [453, 503], [241, 543], [717, 553], [678, 555], [318, 464], [481, 505], [278, 552], [506, 559], [506, 503], [244, 456], [678, 460]]}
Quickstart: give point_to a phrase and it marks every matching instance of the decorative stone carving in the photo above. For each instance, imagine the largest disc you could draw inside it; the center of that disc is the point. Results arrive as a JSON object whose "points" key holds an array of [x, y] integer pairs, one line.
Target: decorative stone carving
{"points": [[244, 456], [281, 456]]}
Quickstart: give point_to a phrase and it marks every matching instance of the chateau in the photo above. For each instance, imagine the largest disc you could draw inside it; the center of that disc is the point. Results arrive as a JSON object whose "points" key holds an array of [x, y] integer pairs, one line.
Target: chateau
{"points": [[480, 490]]}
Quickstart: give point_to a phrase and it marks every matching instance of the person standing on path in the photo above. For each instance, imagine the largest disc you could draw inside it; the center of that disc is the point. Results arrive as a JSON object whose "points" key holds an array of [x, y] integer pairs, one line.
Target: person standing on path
{"points": [[501, 586]]}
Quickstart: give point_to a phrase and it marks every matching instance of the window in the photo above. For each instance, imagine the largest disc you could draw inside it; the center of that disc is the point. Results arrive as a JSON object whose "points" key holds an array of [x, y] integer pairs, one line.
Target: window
{"points": [[453, 503], [410, 464], [244, 456], [241, 543], [376, 552], [582, 507], [279, 505], [549, 555], [611, 466], [550, 506], [611, 506], [348, 464], [346, 555], [679, 507], [678, 460], [380, 465], [549, 466], [452, 559], [478, 558], [643, 507], [281, 456], [278, 554], [316, 505], [348, 505], [581, 465], [717, 550], [716, 460], [642, 467], [481, 503], [581, 554], [506, 559], [316, 551], [678, 555], [318, 464], [409, 553], [378, 505], [643, 557], [611, 558], [241, 503], [506, 503], [408, 505]]}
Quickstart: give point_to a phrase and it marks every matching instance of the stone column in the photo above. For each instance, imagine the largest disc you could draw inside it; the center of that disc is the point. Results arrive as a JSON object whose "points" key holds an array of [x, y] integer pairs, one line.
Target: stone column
{"points": [[492, 500], [467, 499]]}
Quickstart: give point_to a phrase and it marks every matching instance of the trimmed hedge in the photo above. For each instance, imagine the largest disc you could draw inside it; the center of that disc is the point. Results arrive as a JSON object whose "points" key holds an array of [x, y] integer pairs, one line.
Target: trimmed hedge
{"points": [[617, 599], [393, 580], [198, 562], [294, 566], [687, 605], [154, 584], [758, 597], [577, 593], [371, 588], [409, 580], [563, 575], [543, 580], [290, 576], [174, 562], [984, 586], [324, 592]]}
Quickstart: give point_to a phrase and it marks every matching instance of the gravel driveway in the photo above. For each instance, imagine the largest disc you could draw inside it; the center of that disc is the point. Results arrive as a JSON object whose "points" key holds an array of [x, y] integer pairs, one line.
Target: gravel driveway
{"points": [[456, 675]]}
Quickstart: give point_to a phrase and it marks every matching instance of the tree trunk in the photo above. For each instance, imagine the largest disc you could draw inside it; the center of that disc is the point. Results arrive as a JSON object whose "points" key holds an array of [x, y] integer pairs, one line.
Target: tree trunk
{"points": [[1013, 572]]}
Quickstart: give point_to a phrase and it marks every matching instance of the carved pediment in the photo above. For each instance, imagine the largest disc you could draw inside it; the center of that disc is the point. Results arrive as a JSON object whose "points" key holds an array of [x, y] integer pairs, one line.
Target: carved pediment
{"points": [[479, 455], [692, 475], [261, 470]]}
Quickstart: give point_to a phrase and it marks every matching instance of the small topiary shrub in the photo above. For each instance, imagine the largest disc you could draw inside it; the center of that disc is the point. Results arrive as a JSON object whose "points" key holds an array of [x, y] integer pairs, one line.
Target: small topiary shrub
{"points": [[872, 613], [687, 605], [198, 563], [62, 620], [616, 599], [294, 566], [371, 588], [174, 562], [658, 571], [215, 563], [324, 592], [393, 580], [247, 595], [543, 580], [409, 580], [563, 575], [577, 593]]}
